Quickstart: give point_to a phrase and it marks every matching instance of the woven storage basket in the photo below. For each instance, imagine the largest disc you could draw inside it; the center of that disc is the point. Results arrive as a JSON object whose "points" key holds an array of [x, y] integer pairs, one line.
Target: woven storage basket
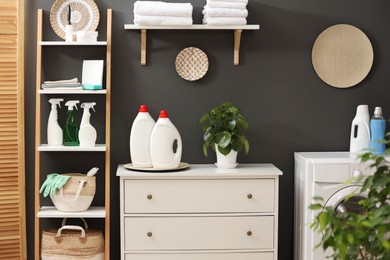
{"points": [[72, 242], [77, 194]]}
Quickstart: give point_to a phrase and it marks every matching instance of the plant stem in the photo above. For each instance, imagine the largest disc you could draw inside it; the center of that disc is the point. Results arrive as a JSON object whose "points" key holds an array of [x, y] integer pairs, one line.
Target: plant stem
{"points": [[361, 254]]}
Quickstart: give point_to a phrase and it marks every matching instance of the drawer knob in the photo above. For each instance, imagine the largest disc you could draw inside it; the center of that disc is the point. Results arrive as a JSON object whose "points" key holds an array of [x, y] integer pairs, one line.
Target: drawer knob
{"points": [[250, 196], [249, 233], [149, 196], [149, 234]]}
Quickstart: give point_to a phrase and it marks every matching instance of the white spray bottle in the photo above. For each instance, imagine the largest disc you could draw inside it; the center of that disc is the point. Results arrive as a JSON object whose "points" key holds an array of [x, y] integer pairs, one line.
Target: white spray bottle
{"points": [[54, 131], [87, 133]]}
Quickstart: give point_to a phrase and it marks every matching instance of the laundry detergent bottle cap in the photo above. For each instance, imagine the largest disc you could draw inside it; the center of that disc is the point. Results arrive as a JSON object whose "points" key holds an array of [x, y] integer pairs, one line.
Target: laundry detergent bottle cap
{"points": [[360, 130], [87, 133], [378, 130], [140, 133], [54, 131], [165, 144], [71, 129]]}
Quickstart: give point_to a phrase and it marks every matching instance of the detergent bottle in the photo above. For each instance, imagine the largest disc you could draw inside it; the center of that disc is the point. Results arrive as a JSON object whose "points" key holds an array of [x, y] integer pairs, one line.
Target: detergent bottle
{"points": [[87, 133], [165, 144], [71, 129], [54, 131], [378, 129], [140, 133], [360, 130]]}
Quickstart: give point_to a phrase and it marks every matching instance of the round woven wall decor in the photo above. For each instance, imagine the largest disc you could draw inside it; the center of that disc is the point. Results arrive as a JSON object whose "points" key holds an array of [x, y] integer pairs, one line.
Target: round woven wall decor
{"points": [[84, 16], [342, 56], [192, 64]]}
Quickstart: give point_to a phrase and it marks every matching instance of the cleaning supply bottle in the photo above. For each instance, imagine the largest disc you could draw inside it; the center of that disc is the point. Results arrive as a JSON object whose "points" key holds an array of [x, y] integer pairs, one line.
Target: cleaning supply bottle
{"points": [[71, 129], [54, 131], [87, 133], [360, 130], [378, 129], [165, 144], [140, 133]]}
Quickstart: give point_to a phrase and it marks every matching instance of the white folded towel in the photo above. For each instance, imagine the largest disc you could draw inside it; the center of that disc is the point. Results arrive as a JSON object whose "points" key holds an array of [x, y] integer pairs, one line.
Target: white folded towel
{"points": [[162, 20], [231, 1], [226, 5], [224, 12], [163, 9], [62, 82], [224, 20]]}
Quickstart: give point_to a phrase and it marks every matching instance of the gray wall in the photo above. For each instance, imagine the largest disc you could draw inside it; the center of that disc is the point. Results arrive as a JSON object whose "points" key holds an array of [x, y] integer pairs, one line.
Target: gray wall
{"points": [[288, 107]]}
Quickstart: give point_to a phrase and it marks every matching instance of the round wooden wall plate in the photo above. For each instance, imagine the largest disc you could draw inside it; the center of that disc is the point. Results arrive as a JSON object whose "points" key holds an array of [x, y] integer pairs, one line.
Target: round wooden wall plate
{"points": [[192, 64], [342, 56], [85, 16]]}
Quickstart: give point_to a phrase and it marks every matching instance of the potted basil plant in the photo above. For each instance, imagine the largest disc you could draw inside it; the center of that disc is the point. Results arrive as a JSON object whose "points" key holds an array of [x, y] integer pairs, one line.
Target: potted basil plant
{"points": [[223, 128]]}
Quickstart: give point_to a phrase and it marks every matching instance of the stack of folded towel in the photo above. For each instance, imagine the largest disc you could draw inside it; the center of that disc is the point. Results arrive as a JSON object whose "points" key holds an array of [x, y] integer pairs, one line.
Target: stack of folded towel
{"points": [[225, 12], [62, 84], [155, 13]]}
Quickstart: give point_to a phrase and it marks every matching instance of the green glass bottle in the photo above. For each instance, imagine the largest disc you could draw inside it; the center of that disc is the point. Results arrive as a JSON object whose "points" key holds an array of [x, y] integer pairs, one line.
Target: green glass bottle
{"points": [[71, 128]]}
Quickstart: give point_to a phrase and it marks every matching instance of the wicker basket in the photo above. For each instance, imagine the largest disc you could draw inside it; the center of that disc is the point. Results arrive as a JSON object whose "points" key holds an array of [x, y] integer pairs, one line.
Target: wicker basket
{"points": [[77, 194], [72, 242], [192, 64]]}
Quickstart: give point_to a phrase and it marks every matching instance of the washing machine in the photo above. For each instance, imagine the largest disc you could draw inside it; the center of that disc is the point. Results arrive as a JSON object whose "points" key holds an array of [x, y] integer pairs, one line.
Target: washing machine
{"points": [[323, 174]]}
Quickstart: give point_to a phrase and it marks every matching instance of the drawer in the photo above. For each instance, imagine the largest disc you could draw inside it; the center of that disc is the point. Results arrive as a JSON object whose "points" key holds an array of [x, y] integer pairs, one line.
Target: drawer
{"points": [[199, 196], [201, 256], [199, 233]]}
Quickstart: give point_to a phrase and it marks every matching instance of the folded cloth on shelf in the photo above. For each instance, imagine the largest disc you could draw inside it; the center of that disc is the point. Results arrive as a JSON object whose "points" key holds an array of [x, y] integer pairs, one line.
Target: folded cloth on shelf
{"points": [[62, 86], [226, 5], [163, 9], [231, 1], [162, 20], [65, 81], [224, 20], [224, 12]]}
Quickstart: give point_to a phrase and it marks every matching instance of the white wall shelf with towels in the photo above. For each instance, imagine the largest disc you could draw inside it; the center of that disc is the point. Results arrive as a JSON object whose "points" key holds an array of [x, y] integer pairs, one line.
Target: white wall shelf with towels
{"points": [[236, 28]]}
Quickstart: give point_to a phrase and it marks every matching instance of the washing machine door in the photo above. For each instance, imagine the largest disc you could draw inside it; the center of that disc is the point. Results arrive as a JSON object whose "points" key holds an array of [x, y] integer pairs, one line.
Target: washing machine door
{"points": [[342, 201]]}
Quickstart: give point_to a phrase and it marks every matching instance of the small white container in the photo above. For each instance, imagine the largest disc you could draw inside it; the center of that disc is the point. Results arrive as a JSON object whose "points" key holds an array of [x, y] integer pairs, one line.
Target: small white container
{"points": [[86, 36], [69, 33], [140, 133], [164, 135]]}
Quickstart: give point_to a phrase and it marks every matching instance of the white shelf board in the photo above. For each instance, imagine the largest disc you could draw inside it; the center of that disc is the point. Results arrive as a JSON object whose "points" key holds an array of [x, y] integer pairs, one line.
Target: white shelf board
{"points": [[64, 43], [194, 27], [52, 212], [50, 148], [65, 91]]}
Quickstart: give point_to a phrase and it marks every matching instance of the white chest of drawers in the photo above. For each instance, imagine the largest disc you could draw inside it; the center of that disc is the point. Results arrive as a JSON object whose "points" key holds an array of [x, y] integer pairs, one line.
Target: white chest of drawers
{"points": [[203, 213]]}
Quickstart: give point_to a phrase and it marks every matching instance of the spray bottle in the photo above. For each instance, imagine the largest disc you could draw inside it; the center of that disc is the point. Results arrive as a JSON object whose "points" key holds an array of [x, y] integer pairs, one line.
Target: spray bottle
{"points": [[71, 129], [54, 131], [87, 133]]}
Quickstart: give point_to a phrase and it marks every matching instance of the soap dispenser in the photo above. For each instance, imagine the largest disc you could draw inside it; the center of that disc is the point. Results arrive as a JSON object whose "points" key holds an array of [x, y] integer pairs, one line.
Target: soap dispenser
{"points": [[71, 129], [54, 131], [87, 133]]}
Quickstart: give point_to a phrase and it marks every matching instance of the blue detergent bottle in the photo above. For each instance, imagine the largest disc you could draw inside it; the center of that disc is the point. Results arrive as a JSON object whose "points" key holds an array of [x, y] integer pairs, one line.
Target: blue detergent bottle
{"points": [[378, 129]]}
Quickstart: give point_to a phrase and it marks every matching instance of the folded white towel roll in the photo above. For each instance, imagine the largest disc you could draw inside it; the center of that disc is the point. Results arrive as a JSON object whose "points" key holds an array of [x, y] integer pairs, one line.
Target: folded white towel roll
{"points": [[224, 12], [226, 5], [162, 20], [163, 9], [224, 20], [231, 1]]}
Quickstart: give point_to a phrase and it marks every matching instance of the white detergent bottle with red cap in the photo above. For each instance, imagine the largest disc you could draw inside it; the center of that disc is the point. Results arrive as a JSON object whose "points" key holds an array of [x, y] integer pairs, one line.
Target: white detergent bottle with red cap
{"points": [[165, 144], [140, 133]]}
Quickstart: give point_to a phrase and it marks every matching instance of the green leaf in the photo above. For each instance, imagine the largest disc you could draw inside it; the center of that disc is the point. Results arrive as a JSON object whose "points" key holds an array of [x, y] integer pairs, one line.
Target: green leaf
{"points": [[205, 148], [204, 118], [323, 219], [223, 139], [227, 104], [318, 198], [224, 151], [208, 136], [236, 144], [232, 124], [246, 145], [386, 244], [315, 206], [242, 122]]}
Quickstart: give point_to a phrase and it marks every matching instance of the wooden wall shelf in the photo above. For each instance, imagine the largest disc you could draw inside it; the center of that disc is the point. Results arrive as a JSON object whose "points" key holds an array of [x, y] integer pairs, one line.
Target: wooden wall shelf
{"points": [[236, 28]]}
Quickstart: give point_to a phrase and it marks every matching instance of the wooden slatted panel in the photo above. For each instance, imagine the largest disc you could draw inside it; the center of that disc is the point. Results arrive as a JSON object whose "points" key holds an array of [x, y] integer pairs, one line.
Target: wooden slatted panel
{"points": [[12, 198]]}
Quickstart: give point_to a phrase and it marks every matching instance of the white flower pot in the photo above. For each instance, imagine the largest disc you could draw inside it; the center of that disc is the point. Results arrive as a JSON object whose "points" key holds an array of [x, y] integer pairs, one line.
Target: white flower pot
{"points": [[226, 161]]}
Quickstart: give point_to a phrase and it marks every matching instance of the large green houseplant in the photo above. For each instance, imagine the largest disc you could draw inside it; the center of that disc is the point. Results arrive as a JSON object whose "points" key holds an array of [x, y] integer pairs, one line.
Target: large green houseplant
{"points": [[365, 234], [223, 128]]}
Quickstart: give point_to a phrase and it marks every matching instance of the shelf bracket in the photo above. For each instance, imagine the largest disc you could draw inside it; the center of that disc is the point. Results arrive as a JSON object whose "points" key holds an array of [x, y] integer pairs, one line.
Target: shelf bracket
{"points": [[143, 47], [237, 41]]}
